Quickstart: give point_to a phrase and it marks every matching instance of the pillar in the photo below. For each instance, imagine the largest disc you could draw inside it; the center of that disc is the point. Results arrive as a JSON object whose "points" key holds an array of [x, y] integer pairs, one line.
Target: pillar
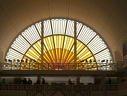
{"points": [[103, 87]]}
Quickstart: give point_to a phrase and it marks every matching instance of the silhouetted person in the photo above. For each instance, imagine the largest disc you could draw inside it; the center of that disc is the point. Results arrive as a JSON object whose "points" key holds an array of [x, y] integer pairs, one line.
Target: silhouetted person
{"points": [[3, 81], [69, 82], [109, 81], [90, 61], [43, 81], [24, 81], [29, 81]]}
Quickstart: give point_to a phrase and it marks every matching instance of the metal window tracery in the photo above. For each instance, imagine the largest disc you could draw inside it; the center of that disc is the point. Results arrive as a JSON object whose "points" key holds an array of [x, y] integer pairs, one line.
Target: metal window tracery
{"points": [[25, 53]]}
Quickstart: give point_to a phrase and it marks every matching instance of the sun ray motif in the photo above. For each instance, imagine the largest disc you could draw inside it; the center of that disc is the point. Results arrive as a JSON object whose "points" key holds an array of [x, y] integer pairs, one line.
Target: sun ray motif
{"points": [[63, 57], [25, 53]]}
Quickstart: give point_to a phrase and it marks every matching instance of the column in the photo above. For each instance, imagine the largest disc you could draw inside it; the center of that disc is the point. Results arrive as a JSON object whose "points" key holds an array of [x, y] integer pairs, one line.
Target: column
{"points": [[103, 87]]}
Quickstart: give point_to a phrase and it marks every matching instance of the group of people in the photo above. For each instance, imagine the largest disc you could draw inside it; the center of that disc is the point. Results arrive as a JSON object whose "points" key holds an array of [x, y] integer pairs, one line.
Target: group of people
{"points": [[29, 81], [24, 81]]}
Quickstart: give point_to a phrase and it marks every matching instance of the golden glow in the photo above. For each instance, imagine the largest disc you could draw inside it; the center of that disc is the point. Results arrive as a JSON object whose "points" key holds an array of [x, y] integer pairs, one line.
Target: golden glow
{"points": [[56, 53], [57, 43]]}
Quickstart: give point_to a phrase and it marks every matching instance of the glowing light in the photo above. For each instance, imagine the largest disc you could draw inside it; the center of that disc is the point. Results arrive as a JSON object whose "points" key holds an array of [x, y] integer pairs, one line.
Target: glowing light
{"points": [[58, 45]]}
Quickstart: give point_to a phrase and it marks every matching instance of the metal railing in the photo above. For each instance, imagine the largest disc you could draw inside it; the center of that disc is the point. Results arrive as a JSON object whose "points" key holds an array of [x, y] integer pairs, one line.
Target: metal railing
{"points": [[62, 66], [58, 66], [59, 86]]}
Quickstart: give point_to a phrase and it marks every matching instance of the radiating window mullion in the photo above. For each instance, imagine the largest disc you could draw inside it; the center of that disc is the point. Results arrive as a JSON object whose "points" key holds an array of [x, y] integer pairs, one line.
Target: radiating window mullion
{"points": [[78, 28], [102, 55], [18, 45], [38, 27], [37, 49], [27, 36]]}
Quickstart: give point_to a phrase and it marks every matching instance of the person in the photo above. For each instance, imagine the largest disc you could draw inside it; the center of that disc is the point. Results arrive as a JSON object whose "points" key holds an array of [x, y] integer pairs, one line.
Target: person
{"points": [[29, 81], [3, 81], [24, 81], [109, 81], [43, 81], [69, 82]]}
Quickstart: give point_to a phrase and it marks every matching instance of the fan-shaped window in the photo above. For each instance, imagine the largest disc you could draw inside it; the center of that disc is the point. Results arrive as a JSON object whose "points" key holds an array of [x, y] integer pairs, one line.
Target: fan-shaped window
{"points": [[60, 44]]}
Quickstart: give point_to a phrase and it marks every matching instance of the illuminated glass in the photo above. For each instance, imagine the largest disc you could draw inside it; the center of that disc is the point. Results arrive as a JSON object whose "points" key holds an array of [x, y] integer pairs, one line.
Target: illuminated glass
{"points": [[55, 49]]}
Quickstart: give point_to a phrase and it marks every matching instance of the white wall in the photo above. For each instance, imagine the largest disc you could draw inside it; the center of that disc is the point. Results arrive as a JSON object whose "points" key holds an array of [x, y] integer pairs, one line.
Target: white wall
{"points": [[87, 80], [7, 79]]}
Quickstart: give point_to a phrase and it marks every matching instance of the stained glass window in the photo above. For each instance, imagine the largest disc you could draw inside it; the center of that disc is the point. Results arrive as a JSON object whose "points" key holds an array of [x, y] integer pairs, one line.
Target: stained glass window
{"points": [[58, 48]]}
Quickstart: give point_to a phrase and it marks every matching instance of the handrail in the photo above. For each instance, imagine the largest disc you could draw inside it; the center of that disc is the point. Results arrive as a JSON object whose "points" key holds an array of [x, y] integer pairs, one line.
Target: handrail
{"points": [[58, 86], [59, 66]]}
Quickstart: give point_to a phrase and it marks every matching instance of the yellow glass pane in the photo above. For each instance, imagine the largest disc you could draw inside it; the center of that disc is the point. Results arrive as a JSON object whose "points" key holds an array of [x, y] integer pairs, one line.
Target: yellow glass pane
{"points": [[52, 42], [57, 41], [80, 49], [71, 44], [44, 49], [67, 43], [83, 53], [37, 45], [89, 55], [60, 49], [31, 54], [62, 41], [35, 52], [69, 56], [47, 43], [78, 43]]}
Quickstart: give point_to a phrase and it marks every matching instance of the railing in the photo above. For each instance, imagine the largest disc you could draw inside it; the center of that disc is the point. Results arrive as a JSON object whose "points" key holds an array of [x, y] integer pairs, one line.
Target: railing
{"points": [[59, 86], [59, 66]]}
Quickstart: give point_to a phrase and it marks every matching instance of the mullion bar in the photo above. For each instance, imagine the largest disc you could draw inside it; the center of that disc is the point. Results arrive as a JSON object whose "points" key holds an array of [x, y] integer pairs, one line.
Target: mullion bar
{"points": [[53, 40], [75, 43]]}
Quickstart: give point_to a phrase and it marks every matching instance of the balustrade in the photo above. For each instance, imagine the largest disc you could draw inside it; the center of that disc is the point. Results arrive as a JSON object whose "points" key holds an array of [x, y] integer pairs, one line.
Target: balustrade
{"points": [[59, 66], [57, 86]]}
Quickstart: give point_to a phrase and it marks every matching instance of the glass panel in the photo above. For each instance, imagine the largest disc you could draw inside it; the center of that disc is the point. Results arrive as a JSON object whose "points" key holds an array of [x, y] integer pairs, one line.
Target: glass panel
{"points": [[70, 28], [20, 44], [58, 48], [86, 34], [47, 28], [96, 45], [78, 27], [31, 34], [38, 25], [58, 26]]}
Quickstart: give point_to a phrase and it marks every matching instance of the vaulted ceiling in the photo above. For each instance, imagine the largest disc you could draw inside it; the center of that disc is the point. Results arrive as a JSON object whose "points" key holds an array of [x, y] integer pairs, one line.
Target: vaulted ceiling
{"points": [[106, 17]]}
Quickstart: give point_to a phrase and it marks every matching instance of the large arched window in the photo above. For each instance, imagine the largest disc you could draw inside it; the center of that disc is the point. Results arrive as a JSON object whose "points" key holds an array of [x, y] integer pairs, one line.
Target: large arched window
{"points": [[57, 44]]}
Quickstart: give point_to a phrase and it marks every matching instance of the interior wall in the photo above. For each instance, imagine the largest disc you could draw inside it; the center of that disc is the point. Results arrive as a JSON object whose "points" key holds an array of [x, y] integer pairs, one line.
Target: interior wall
{"points": [[1, 55], [118, 56]]}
